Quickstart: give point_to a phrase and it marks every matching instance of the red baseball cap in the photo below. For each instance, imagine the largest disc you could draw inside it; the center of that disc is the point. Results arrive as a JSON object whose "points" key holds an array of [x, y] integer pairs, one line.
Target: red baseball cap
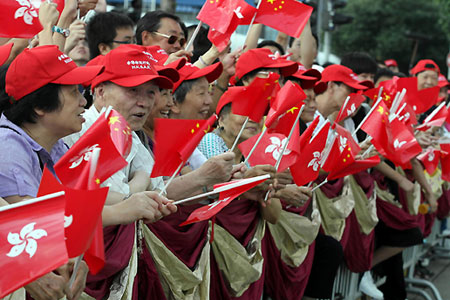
{"points": [[263, 58], [339, 73], [5, 51], [424, 65], [128, 66], [189, 71], [159, 57], [34, 68], [309, 77], [391, 63], [442, 81]]}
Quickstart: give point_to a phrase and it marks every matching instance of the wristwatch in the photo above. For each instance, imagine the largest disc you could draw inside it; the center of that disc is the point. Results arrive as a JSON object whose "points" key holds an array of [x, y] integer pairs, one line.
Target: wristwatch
{"points": [[64, 32]]}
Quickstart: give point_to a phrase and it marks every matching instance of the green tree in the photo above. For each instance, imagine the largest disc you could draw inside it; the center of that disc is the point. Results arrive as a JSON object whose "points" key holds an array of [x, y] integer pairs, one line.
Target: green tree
{"points": [[379, 29]]}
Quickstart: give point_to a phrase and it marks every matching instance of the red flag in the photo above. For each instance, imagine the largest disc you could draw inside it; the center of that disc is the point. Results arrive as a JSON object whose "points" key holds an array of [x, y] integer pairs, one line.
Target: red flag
{"points": [[242, 15], [32, 241], [308, 133], [82, 212], [208, 211], [388, 94], [445, 161], [288, 99], [120, 133], [436, 118], [175, 140], [253, 100], [402, 145], [219, 13], [73, 168], [375, 126], [421, 100], [269, 150], [288, 16], [356, 99], [430, 159], [307, 166], [355, 167], [19, 18]]}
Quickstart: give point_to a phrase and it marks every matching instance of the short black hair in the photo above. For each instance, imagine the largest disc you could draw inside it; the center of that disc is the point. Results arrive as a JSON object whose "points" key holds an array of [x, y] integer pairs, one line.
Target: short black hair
{"points": [[359, 62], [273, 44], [102, 28], [185, 87], [151, 22], [201, 42], [383, 72], [22, 111]]}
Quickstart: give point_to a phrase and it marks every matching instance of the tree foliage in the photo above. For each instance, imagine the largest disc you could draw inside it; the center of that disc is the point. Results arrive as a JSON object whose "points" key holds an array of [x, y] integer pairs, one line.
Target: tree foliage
{"points": [[379, 29]]}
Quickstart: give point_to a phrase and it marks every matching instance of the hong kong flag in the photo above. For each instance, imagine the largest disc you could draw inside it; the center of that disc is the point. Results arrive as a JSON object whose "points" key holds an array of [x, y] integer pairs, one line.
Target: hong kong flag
{"points": [[308, 133], [82, 212], [343, 150], [19, 18], [430, 159], [228, 191], [445, 161], [73, 168], [288, 16], [421, 100], [354, 167], [436, 118], [355, 100], [219, 13], [307, 166], [269, 149], [31, 240]]}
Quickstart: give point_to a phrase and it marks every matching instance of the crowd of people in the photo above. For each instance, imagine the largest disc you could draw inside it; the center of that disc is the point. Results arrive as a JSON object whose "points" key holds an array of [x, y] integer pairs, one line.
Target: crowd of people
{"points": [[289, 246]]}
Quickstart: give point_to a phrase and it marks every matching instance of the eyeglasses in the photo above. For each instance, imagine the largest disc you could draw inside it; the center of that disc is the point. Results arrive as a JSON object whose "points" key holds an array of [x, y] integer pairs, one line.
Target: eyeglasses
{"points": [[132, 41], [172, 39]]}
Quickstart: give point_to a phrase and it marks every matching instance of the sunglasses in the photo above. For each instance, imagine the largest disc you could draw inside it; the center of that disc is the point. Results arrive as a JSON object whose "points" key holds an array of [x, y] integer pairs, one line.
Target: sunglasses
{"points": [[171, 39]]}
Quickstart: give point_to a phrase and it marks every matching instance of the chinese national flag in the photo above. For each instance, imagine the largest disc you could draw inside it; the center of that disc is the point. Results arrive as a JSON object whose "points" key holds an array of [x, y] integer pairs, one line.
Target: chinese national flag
{"points": [[120, 133], [445, 161], [253, 100], [269, 150], [175, 140], [436, 118], [307, 166], [287, 101], [430, 159], [375, 126], [388, 93], [225, 197], [421, 100], [19, 18], [32, 241], [288, 16], [241, 15], [354, 167], [356, 99], [82, 212], [73, 168]]}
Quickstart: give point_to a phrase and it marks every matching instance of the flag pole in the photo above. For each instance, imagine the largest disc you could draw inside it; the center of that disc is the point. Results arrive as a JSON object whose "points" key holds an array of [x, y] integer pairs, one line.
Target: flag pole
{"points": [[319, 185], [239, 134], [255, 145], [224, 188], [75, 270], [343, 107], [367, 116], [194, 35], [93, 167], [253, 20], [34, 200], [166, 185]]}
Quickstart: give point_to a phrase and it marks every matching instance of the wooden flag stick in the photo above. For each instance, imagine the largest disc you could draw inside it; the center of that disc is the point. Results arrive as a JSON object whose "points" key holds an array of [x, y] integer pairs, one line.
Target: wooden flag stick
{"points": [[239, 134], [166, 185], [194, 35]]}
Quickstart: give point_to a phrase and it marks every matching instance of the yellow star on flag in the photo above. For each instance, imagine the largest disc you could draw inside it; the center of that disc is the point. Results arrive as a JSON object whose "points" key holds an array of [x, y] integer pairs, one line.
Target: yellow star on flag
{"points": [[292, 109], [97, 181], [380, 110], [193, 129], [271, 1], [113, 120]]}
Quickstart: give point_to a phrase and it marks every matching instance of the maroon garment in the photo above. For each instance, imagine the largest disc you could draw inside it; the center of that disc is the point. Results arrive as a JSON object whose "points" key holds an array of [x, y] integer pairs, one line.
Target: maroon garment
{"points": [[119, 241], [283, 282], [239, 218], [358, 247], [185, 242], [443, 205]]}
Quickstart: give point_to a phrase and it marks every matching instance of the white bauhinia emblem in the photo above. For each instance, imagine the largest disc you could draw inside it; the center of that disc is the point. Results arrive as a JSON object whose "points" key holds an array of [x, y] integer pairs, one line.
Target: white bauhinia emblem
{"points": [[315, 162], [84, 154], [342, 143], [26, 240], [26, 11], [276, 147], [238, 13], [351, 110], [431, 156], [68, 221], [214, 204], [398, 144]]}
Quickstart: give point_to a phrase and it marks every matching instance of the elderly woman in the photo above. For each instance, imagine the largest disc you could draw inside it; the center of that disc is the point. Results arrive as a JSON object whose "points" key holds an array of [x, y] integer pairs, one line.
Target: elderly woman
{"points": [[40, 103]]}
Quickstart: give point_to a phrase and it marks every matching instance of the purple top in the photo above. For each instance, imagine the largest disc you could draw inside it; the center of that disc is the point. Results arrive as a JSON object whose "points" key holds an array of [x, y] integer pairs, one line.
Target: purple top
{"points": [[22, 160]]}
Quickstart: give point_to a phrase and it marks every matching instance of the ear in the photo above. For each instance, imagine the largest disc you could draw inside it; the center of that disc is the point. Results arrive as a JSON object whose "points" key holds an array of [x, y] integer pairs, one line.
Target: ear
{"points": [[99, 95], [146, 38], [39, 112], [176, 108], [104, 48]]}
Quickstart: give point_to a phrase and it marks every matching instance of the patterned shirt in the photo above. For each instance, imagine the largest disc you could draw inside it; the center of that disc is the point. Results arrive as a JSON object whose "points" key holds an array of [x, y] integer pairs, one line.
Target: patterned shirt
{"points": [[212, 144]]}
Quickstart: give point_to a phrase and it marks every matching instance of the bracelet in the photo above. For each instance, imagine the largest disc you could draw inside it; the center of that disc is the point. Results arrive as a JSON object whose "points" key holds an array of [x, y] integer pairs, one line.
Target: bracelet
{"points": [[202, 61], [64, 32]]}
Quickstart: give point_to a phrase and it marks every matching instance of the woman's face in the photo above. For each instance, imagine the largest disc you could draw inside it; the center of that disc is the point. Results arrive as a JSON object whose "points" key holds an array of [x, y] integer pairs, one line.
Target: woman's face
{"points": [[68, 118], [310, 106], [161, 109], [232, 124]]}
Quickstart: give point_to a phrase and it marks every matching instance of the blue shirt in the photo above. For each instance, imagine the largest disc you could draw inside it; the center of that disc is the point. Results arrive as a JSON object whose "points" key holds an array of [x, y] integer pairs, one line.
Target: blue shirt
{"points": [[22, 159]]}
